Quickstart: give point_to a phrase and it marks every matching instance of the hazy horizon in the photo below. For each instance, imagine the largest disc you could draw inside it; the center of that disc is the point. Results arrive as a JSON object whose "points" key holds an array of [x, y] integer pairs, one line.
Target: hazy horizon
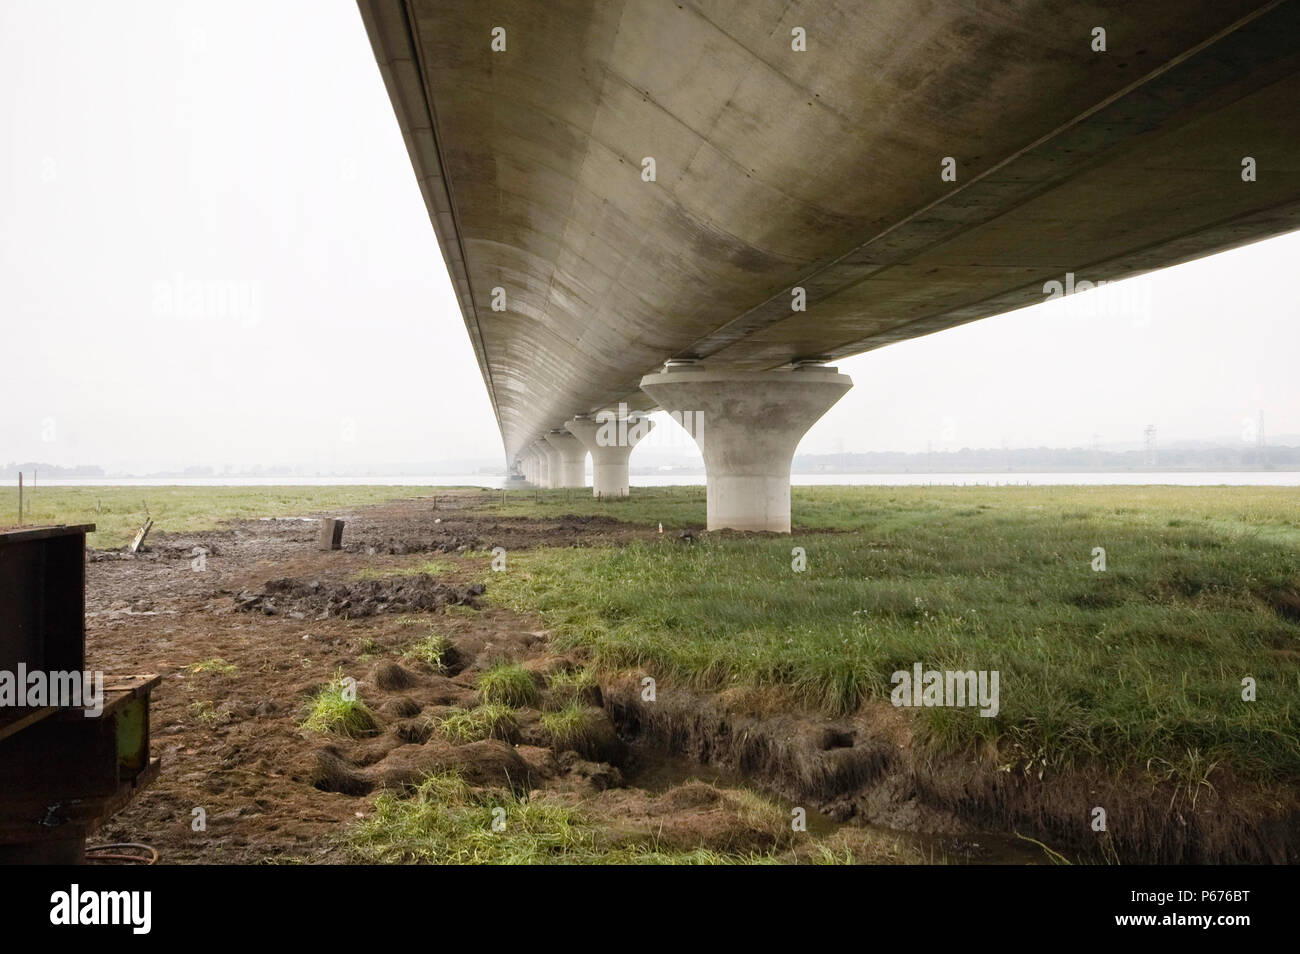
{"points": [[213, 252]]}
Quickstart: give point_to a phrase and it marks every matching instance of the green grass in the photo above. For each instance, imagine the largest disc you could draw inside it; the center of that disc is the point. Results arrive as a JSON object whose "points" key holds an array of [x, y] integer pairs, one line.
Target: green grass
{"points": [[509, 684], [567, 727], [432, 649], [119, 511], [1270, 511], [488, 721], [571, 685], [331, 710], [1140, 665], [447, 822]]}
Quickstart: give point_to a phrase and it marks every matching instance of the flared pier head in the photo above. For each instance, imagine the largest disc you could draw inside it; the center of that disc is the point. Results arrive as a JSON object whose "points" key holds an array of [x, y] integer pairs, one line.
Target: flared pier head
{"points": [[747, 425], [610, 436], [572, 457]]}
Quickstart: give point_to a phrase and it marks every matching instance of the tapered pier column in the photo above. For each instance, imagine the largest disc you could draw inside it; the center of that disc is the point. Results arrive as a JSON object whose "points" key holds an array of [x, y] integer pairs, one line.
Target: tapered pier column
{"points": [[747, 425], [572, 458], [610, 438], [545, 457]]}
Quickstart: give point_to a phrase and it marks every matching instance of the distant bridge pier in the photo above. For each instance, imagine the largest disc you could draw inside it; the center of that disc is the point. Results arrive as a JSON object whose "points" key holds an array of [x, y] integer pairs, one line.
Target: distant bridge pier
{"points": [[610, 440], [747, 425], [572, 458], [548, 461]]}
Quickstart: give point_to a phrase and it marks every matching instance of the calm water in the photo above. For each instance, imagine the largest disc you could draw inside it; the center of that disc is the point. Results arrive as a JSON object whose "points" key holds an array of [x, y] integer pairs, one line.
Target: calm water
{"points": [[1238, 478]]}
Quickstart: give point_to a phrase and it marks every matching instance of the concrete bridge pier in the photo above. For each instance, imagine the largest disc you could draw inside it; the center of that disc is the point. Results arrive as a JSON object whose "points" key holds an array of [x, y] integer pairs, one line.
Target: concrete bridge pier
{"points": [[571, 457], [747, 425], [610, 440], [546, 457]]}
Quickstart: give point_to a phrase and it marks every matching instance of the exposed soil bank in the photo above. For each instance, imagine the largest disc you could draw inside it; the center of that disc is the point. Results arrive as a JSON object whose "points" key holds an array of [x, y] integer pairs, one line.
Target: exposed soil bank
{"points": [[865, 769]]}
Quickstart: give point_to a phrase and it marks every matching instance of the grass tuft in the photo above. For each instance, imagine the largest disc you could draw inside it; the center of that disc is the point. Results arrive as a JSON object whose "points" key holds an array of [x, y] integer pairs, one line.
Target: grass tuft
{"points": [[488, 721], [434, 649], [567, 727], [331, 710], [509, 684]]}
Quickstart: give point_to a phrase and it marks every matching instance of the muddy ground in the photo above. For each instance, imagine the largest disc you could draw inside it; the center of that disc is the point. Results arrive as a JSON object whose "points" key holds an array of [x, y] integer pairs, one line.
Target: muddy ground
{"points": [[288, 616], [283, 617]]}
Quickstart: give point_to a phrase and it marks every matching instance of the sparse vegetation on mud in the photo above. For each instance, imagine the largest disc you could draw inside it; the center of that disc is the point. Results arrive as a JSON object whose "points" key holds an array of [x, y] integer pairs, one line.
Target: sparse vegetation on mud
{"points": [[117, 512], [447, 821]]}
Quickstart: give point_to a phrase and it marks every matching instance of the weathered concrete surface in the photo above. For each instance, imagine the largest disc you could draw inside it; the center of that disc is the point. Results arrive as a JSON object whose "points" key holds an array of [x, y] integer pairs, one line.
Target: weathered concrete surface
{"points": [[748, 424], [817, 169], [572, 455], [610, 440], [548, 464]]}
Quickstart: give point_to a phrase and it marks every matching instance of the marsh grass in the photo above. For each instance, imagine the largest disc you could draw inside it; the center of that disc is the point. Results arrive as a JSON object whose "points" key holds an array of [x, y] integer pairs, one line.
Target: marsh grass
{"points": [[1140, 665]]}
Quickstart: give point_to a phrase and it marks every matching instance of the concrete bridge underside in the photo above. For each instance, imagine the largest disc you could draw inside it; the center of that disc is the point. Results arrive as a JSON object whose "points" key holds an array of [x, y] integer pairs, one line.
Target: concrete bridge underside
{"points": [[820, 169]]}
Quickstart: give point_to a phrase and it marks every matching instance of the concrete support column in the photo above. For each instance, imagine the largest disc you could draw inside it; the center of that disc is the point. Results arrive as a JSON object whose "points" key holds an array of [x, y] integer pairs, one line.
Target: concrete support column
{"points": [[572, 459], [545, 457], [515, 474], [610, 439], [747, 425]]}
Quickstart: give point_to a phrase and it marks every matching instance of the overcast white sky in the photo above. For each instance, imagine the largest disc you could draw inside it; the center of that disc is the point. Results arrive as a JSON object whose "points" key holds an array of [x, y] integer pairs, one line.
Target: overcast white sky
{"points": [[248, 150]]}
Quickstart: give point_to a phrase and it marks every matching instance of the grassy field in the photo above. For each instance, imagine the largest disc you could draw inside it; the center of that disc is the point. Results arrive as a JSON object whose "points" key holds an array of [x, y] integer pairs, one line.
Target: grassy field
{"points": [[1137, 665], [119, 511], [1141, 664]]}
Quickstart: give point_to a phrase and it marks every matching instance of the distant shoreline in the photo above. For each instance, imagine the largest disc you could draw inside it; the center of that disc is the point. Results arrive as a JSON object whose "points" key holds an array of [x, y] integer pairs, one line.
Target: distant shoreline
{"points": [[1268, 478]]}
